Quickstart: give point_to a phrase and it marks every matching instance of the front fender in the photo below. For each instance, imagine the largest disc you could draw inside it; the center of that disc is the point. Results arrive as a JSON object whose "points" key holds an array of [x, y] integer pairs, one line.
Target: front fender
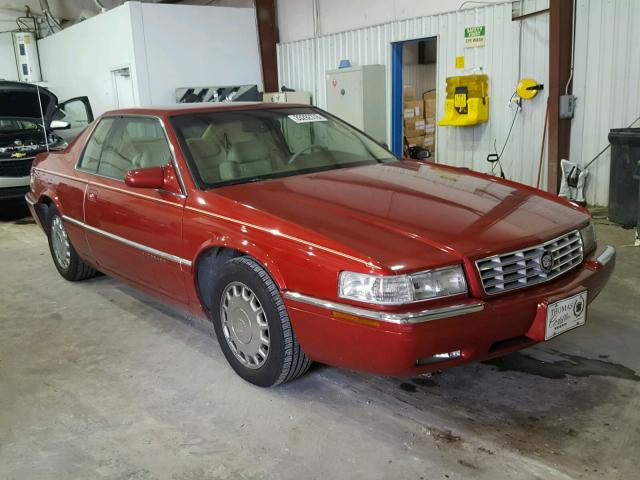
{"points": [[246, 247]]}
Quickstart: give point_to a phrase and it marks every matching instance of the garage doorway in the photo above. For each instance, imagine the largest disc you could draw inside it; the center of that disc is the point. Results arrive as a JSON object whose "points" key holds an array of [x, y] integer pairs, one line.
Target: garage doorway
{"points": [[414, 74], [122, 87]]}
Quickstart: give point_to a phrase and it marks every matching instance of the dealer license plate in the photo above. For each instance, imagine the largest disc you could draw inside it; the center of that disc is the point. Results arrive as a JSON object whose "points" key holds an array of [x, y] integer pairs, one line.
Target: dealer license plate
{"points": [[566, 314]]}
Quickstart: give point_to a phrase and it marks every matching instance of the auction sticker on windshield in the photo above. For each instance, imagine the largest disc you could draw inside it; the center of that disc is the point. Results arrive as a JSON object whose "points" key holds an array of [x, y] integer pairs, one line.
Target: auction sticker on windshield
{"points": [[307, 117], [566, 314]]}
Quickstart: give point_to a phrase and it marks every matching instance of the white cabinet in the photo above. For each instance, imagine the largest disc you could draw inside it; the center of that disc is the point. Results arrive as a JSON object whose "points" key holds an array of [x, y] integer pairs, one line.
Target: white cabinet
{"points": [[357, 95], [287, 97]]}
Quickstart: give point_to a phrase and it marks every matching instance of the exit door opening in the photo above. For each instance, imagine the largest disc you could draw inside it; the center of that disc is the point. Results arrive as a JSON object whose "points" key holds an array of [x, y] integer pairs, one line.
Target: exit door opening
{"points": [[414, 66], [122, 87]]}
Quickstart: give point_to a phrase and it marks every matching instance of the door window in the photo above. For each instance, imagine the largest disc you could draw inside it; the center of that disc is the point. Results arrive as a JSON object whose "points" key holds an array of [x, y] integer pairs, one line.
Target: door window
{"points": [[95, 145], [137, 142], [76, 111]]}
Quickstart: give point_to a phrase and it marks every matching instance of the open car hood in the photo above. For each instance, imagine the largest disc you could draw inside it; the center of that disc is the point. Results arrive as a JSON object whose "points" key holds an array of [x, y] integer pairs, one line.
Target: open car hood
{"points": [[20, 100]]}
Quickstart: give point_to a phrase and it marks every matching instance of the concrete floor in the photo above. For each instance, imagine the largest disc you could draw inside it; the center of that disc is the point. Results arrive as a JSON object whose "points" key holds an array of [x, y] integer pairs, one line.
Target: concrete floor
{"points": [[100, 381]]}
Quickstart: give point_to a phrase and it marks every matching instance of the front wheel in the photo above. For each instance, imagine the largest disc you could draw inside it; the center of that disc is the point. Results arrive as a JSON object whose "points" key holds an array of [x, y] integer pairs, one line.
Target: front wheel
{"points": [[252, 325], [65, 258]]}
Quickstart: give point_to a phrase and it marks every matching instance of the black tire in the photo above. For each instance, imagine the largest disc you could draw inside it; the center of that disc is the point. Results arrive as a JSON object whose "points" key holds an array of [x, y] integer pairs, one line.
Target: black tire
{"points": [[76, 269], [285, 360]]}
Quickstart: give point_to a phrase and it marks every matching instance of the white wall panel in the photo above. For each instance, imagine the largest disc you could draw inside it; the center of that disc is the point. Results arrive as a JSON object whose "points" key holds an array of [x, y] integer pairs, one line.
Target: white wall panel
{"points": [[296, 22], [207, 46], [302, 65], [606, 81], [78, 60]]}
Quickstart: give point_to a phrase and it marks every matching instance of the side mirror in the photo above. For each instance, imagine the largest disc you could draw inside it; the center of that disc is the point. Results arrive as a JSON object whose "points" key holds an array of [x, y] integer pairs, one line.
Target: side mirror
{"points": [[59, 125], [152, 177]]}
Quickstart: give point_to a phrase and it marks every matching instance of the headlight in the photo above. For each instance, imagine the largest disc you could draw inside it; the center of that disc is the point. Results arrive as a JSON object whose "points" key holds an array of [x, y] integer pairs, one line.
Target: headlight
{"points": [[588, 235], [399, 289]]}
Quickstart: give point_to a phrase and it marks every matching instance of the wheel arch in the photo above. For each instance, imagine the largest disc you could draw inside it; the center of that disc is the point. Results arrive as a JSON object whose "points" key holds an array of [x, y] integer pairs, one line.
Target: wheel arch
{"points": [[43, 207], [214, 254]]}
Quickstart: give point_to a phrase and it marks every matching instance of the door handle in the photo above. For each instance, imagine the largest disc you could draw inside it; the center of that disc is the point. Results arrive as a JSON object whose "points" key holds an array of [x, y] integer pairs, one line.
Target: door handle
{"points": [[92, 196]]}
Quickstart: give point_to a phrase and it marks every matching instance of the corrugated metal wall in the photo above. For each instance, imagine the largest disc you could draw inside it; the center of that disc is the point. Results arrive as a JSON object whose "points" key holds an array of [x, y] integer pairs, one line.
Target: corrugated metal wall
{"points": [[606, 81], [302, 65]]}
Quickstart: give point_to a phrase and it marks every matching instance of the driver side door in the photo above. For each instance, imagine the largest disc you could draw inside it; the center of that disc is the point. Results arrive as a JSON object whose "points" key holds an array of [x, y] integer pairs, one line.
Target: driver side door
{"points": [[77, 112], [135, 233]]}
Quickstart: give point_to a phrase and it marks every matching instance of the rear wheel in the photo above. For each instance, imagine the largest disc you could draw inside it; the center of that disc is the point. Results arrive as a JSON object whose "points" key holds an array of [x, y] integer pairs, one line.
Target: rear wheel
{"points": [[67, 261], [253, 327]]}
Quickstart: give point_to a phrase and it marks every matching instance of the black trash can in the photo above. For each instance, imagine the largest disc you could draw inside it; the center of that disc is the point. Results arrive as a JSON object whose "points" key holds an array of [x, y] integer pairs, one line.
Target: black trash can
{"points": [[623, 183]]}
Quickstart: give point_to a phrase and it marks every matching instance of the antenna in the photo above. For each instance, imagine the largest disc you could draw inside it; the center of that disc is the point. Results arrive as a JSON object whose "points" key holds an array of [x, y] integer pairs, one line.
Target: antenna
{"points": [[44, 128]]}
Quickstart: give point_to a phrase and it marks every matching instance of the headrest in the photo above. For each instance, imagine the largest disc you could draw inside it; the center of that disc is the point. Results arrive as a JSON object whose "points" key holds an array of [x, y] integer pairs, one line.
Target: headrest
{"points": [[210, 133], [250, 151], [203, 148]]}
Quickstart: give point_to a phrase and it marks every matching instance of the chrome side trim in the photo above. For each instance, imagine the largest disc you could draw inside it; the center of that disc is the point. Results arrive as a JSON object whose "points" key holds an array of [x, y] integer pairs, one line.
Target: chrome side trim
{"points": [[139, 246], [407, 318], [63, 175], [607, 255], [116, 189], [28, 200]]}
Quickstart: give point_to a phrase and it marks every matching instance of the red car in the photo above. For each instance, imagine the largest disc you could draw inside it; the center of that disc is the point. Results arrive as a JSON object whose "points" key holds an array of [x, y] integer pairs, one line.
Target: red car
{"points": [[302, 239]]}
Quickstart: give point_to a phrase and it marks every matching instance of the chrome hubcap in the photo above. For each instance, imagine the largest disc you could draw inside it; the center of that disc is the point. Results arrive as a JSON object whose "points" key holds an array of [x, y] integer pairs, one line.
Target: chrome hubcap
{"points": [[244, 325], [60, 243]]}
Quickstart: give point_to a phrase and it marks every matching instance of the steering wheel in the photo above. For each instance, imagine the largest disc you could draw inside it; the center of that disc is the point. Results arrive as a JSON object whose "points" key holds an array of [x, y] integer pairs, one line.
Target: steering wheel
{"points": [[313, 146]]}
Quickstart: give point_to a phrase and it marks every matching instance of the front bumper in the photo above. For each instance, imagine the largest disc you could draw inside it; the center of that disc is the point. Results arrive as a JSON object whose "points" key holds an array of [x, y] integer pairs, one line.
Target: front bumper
{"points": [[12, 188], [413, 342]]}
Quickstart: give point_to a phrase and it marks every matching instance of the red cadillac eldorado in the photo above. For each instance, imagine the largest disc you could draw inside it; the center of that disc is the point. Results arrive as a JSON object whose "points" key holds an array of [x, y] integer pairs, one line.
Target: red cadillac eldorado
{"points": [[302, 239]]}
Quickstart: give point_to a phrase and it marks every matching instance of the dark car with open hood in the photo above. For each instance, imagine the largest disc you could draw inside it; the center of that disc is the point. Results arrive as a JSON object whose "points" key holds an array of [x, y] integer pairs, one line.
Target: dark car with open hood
{"points": [[32, 121]]}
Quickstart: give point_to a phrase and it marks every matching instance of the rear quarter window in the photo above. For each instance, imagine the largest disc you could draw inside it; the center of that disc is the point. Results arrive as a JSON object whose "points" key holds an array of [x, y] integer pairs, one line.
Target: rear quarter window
{"points": [[93, 150]]}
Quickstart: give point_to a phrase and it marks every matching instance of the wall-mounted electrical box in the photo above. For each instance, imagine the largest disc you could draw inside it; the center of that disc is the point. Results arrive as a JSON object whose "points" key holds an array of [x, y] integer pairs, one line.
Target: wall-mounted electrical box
{"points": [[467, 101], [567, 106], [27, 61], [357, 95]]}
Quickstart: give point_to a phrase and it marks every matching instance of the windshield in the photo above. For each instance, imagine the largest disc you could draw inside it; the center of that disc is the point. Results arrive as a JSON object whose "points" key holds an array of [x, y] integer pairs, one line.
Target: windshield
{"points": [[225, 148], [10, 125]]}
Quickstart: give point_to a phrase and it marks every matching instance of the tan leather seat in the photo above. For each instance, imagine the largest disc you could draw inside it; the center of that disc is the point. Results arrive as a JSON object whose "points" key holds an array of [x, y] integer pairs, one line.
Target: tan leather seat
{"points": [[246, 160], [207, 154]]}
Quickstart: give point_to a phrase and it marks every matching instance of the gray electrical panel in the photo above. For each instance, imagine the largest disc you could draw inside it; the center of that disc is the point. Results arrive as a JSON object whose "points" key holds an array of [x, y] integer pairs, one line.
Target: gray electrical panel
{"points": [[567, 106], [358, 96]]}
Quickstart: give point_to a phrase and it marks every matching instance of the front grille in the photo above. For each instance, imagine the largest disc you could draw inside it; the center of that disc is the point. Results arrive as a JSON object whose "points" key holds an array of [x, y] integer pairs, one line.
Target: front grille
{"points": [[15, 168], [522, 268]]}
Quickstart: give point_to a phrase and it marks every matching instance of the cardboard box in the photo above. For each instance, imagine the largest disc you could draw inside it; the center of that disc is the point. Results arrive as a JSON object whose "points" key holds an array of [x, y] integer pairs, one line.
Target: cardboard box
{"points": [[408, 93], [415, 141], [414, 125], [413, 109], [413, 133], [429, 128], [429, 96], [430, 106], [430, 142]]}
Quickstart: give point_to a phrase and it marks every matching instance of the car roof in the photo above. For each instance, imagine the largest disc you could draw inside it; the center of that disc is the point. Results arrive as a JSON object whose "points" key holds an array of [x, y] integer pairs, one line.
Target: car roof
{"points": [[185, 108]]}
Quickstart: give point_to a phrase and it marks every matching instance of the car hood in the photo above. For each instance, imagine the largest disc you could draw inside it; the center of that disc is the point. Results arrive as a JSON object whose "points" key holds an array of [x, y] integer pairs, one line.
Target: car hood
{"points": [[408, 215], [20, 100]]}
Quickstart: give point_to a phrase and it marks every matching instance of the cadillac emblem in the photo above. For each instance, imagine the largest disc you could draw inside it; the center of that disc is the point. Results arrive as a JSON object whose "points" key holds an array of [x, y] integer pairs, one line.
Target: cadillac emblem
{"points": [[18, 155], [546, 262]]}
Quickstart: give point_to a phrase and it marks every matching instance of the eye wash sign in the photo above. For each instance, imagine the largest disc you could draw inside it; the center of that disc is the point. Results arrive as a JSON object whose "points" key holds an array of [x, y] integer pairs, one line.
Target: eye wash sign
{"points": [[474, 36]]}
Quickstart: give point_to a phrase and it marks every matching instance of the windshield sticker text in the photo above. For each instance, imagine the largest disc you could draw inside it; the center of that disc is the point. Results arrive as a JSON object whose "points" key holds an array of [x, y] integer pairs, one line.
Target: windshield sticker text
{"points": [[307, 117]]}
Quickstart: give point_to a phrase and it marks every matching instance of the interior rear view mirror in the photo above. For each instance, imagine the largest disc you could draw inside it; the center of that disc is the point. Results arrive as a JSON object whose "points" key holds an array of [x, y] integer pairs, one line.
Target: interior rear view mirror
{"points": [[152, 177], [59, 125]]}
